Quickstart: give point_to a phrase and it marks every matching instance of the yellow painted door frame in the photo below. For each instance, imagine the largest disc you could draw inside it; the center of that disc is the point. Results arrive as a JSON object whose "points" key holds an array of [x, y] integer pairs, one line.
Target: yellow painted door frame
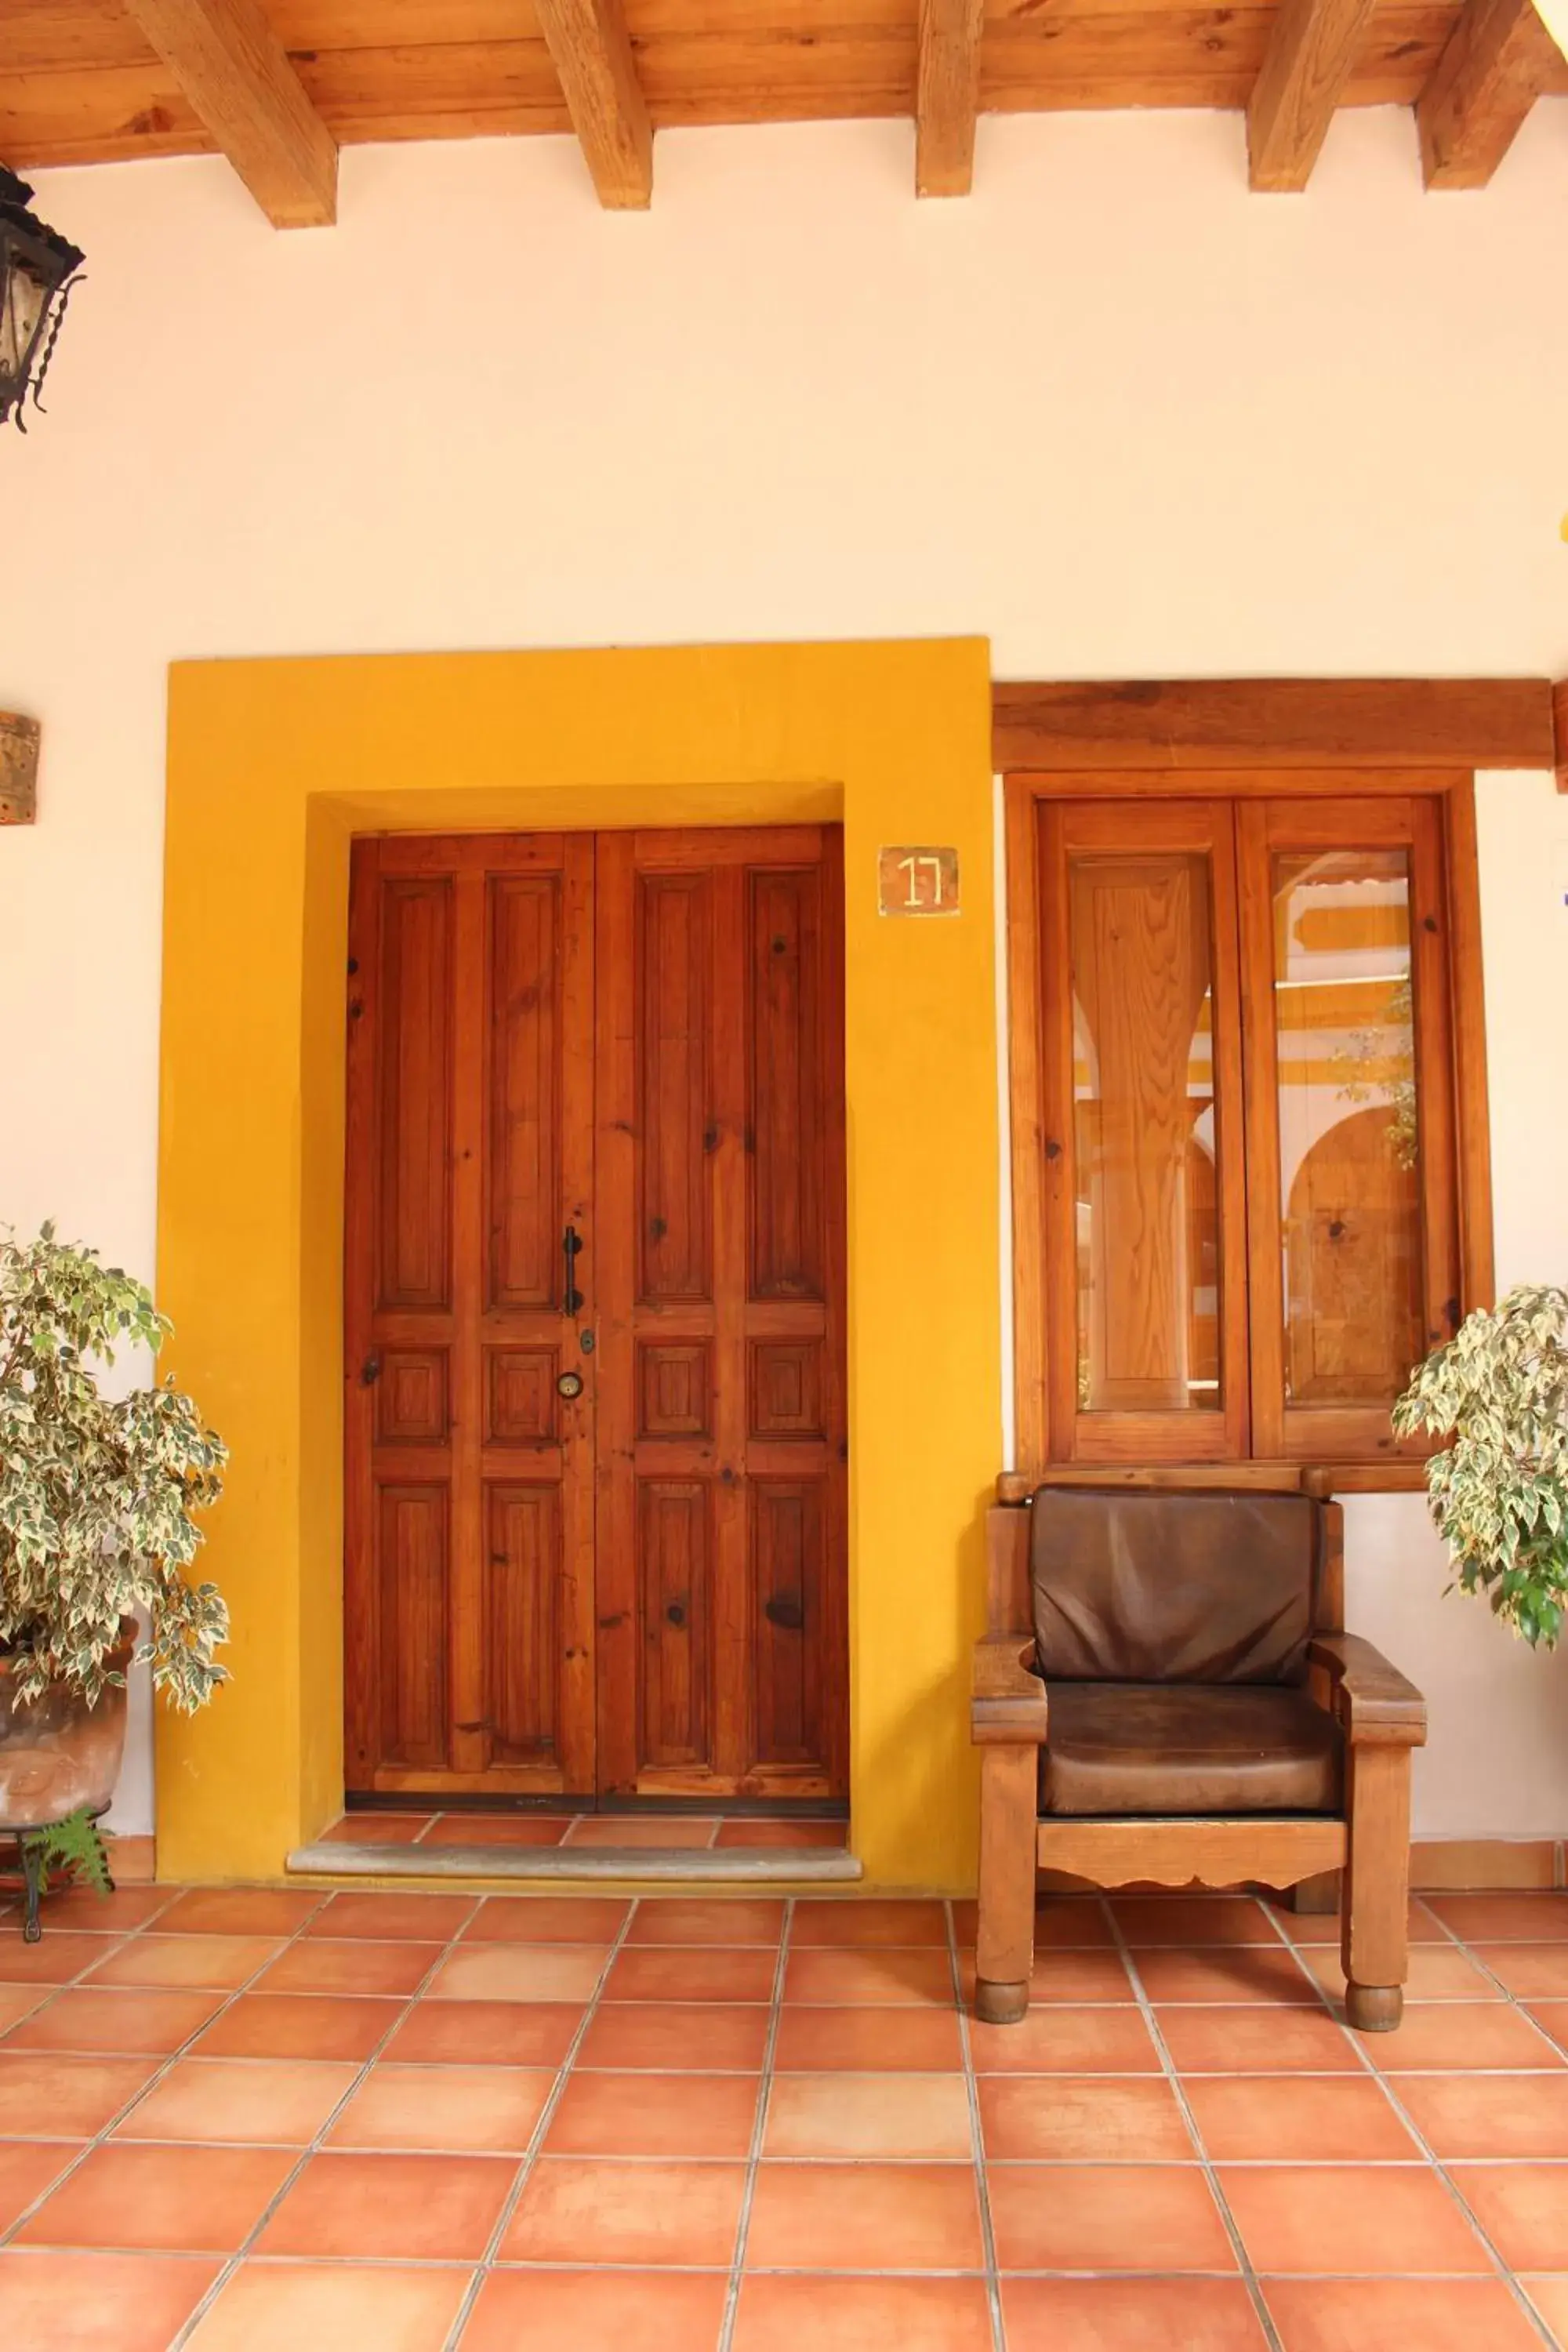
{"points": [[273, 767]]}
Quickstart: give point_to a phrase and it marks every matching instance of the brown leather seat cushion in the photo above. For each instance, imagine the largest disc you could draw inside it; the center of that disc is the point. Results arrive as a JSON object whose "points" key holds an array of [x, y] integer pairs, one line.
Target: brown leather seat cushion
{"points": [[1177, 1748], [1134, 1587]]}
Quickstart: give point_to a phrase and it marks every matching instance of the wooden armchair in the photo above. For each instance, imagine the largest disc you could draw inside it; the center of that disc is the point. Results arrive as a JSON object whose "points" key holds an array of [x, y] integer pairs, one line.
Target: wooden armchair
{"points": [[1165, 1694]]}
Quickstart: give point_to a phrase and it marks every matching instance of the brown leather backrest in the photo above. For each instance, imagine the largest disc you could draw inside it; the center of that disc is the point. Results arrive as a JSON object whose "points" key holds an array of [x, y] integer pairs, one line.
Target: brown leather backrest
{"points": [[1191, 1588]]}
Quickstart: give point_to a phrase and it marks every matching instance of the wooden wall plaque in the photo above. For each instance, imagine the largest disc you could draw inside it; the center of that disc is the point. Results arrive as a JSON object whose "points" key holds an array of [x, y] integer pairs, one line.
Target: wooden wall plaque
{"points": [[917, 881], [18, 768]]}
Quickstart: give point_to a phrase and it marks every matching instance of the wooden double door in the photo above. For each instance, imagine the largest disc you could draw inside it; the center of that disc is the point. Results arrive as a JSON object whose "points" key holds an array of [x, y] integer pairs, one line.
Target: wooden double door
{"points": [[596, 1447]]}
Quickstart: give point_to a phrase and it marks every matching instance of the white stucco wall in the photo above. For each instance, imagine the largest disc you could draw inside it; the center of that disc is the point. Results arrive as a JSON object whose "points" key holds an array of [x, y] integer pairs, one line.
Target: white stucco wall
{"points": [[1112, 411], [1496, 1763]]}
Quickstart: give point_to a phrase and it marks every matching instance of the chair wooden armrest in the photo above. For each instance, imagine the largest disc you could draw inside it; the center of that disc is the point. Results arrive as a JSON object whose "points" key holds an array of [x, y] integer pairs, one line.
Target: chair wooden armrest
{"points": [[1008, 1703], [1377, 1705]]}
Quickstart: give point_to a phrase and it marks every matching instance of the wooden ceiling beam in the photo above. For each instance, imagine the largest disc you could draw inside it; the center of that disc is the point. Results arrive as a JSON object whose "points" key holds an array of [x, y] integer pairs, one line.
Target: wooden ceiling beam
{"points": [[591, 51], [1313, 51], [1498, 59], [1260, 722], [947, 95], [235, 73]]}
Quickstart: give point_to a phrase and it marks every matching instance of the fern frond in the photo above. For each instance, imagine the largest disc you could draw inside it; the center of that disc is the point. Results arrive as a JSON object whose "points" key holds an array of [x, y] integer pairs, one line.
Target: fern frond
{"points": [[74, 1848]]}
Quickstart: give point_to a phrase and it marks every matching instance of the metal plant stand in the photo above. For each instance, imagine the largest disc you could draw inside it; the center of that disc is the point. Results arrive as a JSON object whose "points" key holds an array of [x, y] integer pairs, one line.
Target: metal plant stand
{"points": [[33, 1871]]}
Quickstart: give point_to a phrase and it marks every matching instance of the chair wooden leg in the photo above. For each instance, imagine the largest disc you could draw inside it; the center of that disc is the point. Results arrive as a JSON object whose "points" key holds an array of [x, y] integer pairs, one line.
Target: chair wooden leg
{"points": [[1004, 1938], [1316, 1899], [1375, 1934]]}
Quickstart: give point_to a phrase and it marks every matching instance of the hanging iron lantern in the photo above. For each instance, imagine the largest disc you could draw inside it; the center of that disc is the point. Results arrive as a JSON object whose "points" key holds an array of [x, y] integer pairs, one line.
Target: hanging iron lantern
{"points": [[37, 272]]}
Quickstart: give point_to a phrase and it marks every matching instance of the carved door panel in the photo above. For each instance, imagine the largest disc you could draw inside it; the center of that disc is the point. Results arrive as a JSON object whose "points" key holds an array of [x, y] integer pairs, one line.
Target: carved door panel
{"points": [[719, 1302], [468, 1554]]}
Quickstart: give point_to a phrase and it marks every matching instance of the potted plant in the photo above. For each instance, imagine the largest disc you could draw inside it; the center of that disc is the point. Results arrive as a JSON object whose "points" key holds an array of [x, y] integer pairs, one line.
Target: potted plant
{"points": [[97, 1498], [1499, 1495]]}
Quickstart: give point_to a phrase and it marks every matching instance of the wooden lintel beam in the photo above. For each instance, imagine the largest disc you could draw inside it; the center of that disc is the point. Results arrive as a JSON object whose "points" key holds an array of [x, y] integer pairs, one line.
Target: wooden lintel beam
{"points": [[1498, 59], [1260, 722], [1560, 715], [591, 51], [235, 72], [1312, 49], [947, 95]]}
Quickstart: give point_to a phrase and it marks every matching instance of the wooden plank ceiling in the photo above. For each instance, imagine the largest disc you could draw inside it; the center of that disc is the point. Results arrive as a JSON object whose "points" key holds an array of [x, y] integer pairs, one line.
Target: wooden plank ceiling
{"points": [[278, 85]]}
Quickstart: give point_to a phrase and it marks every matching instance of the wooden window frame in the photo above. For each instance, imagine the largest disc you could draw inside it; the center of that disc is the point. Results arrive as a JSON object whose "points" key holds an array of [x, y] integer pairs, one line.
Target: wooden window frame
{"points": [[1453, 1031]]}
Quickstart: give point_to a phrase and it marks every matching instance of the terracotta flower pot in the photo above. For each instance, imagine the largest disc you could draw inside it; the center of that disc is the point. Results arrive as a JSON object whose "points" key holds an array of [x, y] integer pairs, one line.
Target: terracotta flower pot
{"points": [[57, 1753]]}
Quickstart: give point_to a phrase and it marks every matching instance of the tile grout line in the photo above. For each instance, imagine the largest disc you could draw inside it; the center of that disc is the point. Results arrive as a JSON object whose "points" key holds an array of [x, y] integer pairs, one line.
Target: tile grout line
{"points": [[1485, 1967], [977, 2143], [759, 2133], [1433, 2161], [232, 2262], [50, 1990], [117, 1938], [101, 2137], [1211, 2175], [529, 2161], [1276, 1934]]}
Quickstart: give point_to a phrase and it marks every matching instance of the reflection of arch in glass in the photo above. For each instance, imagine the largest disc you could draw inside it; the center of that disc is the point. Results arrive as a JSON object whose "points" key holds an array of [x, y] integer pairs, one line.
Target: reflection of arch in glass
{"points": [[1353, 1265], [1085, 1099], [1085, 1129], [1201, 1191]]}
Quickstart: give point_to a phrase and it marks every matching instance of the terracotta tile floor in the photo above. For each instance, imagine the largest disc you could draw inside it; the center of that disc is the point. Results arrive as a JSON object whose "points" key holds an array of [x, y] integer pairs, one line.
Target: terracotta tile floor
{"points": [[247, 2120], [531, 1829]]}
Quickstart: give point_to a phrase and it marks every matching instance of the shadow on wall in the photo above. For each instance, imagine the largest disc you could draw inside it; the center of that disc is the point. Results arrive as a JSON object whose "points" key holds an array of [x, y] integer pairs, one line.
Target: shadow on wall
{"points": [[1493, 1702]]}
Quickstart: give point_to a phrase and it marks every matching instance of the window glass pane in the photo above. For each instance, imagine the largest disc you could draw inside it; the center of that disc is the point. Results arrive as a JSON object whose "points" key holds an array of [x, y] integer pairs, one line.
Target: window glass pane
{"points": [[1147, 1202], [1348, 1137]]}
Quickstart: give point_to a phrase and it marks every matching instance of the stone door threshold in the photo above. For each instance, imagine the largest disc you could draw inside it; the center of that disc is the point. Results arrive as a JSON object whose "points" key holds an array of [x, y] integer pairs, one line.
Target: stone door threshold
{"points": [[531, 1866]]}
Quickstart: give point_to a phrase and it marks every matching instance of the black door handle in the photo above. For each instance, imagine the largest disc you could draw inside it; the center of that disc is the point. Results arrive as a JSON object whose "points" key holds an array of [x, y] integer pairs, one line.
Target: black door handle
{"points": [[570, 1243]]}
